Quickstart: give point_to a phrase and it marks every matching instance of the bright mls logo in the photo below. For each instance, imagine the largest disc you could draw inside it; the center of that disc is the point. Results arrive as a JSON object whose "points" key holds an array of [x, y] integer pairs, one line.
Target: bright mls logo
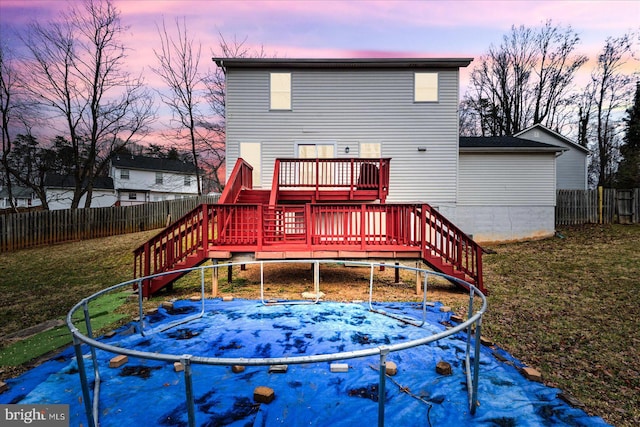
{"points": [[34, 415]]}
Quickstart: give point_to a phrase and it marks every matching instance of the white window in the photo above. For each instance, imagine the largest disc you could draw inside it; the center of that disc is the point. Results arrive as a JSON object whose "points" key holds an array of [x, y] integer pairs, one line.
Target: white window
{"points": [[159, 178], [426, 87], [281, 91], [133, 196], [187, 180], [124, 174]]}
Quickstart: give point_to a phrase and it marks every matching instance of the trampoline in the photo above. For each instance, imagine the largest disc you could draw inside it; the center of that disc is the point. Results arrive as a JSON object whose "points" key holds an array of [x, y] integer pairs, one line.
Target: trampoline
{"points": [[200, 363]]}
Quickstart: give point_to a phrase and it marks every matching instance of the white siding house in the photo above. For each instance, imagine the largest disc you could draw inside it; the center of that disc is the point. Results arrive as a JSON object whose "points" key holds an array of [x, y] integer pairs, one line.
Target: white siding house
{"points": [[403, 109], [140, 179], [22, 197], [571, 165]]}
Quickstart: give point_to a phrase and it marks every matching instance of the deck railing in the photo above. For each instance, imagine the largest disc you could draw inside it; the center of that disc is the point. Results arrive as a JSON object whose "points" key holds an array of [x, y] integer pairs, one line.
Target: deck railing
{"points": [[310, 227], [349, 174], [241, 178]]}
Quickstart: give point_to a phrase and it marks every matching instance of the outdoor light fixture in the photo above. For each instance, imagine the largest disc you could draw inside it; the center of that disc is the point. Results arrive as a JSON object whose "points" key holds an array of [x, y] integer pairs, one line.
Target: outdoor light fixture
{"points": [[422, 148], [346, 150]]}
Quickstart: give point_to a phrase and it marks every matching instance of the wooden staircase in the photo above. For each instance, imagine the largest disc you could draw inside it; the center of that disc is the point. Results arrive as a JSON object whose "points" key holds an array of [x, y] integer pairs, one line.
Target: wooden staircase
{"points": [[276, 225]]}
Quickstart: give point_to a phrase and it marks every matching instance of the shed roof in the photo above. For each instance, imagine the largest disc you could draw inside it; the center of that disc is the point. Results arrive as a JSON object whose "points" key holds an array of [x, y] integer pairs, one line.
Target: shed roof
{"points": [[555, 135], [127, 161], [495, 144], [370, 63]]}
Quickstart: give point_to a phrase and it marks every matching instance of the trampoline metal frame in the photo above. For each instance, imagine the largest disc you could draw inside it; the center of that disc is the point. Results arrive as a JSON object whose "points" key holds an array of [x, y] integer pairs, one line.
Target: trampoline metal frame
{"points": [[188, 360]]}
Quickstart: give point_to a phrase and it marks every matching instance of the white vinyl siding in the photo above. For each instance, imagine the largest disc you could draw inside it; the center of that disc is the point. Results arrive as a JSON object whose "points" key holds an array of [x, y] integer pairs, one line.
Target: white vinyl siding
{"points": [[280, 91], [348, 106], [425, 87], [571, 165], [507, 179]]}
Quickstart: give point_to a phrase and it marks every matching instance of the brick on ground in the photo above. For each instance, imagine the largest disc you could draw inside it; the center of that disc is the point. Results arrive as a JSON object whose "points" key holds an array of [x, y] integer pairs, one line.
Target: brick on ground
{"points": [[262, 394]]}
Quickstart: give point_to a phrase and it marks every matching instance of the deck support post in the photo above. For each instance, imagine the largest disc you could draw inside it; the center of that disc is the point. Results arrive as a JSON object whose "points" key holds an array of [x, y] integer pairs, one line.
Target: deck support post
{"points": [[214, 278], [230, 275], [397, 274]]}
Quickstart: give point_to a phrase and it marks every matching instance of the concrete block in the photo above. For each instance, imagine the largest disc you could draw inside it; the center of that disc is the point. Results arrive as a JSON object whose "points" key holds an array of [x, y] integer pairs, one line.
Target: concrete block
{"points": [[118, 361], [227, 298], [262, 394], [278, 369], [443, 368], [532, 374], [392, 368], [236, 369], [339, 367], [3, 387], [456, 318], [178, 367], [445, 309], [167, 305]]}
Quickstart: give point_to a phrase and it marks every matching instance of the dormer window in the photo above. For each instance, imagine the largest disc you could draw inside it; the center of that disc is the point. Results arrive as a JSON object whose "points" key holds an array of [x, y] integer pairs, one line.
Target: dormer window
{"points": [[280, 85]]}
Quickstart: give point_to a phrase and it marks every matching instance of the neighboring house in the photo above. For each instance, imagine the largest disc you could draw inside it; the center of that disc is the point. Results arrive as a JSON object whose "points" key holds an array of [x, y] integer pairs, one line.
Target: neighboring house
{"points": [[403, 109], [23, 197], [140, 179], [60, 189], [571, 166], [506, 188]]}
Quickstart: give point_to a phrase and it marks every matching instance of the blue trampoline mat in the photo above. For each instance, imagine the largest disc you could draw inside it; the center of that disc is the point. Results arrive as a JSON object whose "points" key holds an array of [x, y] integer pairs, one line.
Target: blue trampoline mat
{"points": [[151, 393]]}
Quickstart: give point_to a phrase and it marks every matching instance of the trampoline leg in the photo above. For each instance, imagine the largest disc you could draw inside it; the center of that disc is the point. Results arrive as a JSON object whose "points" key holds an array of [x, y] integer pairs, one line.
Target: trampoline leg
{"points": [[186, 362], [381, 386], [86, 397]]}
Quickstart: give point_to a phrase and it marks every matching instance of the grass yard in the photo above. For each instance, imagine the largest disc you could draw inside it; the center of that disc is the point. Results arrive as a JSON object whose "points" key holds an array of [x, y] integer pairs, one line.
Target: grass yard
{"points": [[566, 306]]}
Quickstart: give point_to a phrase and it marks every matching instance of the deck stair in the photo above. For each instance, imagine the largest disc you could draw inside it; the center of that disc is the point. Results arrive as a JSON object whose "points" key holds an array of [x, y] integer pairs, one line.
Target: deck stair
{"points": [[304, 217]]}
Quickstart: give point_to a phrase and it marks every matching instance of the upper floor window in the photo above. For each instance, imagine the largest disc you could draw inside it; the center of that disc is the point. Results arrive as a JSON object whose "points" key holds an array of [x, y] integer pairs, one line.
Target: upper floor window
{"points": [[187, 180], [124, 174], [133, 196], [158, 177], [280, 91], [425, 87]]}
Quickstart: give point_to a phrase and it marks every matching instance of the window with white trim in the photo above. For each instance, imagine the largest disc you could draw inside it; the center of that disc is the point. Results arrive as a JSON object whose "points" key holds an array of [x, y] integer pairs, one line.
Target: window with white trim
{"points": [[133, 196], [124, 174], [187, 180], [159, 179], [425, 87], [280, 89]]}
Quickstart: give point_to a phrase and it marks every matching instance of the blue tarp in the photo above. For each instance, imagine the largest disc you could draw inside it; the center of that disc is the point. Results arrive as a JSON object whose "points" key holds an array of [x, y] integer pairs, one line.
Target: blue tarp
{"points": [[151, 393]]}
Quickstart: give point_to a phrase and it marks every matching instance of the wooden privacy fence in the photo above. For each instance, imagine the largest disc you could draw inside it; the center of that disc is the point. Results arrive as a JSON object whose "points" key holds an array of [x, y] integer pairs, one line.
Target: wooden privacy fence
{"points": [[604, 206], [29, 229]]}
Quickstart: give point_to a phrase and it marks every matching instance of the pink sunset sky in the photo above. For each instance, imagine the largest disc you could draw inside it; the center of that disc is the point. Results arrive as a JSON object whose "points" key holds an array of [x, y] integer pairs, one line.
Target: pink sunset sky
{"points": [[343, 29]]}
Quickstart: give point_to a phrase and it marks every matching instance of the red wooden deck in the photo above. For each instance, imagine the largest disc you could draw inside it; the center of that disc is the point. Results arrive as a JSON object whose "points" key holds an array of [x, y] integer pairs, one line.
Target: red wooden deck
{"points": [[291, 223]]}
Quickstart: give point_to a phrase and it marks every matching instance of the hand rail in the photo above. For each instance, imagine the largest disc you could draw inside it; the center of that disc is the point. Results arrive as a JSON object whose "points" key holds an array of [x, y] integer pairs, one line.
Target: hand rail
{"points": [[241, 177]]}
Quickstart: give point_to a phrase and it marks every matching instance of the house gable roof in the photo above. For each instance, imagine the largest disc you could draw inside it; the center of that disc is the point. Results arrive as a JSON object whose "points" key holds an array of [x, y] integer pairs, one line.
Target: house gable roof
{"points": [[370, 63], [494, 144], [52, 180], [556, 135], [127, 161]]}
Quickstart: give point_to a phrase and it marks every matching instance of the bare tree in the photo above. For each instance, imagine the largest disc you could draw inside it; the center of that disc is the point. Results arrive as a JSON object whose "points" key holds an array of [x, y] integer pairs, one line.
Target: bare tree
{"points": [[216, 95], [79, 75], [8, 105], [179, 62], [609, 91], [525, 80]]}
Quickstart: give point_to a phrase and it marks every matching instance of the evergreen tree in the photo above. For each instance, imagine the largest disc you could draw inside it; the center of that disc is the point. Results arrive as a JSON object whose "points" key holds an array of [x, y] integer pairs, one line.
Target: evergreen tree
{"points": [[629, 169]]}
